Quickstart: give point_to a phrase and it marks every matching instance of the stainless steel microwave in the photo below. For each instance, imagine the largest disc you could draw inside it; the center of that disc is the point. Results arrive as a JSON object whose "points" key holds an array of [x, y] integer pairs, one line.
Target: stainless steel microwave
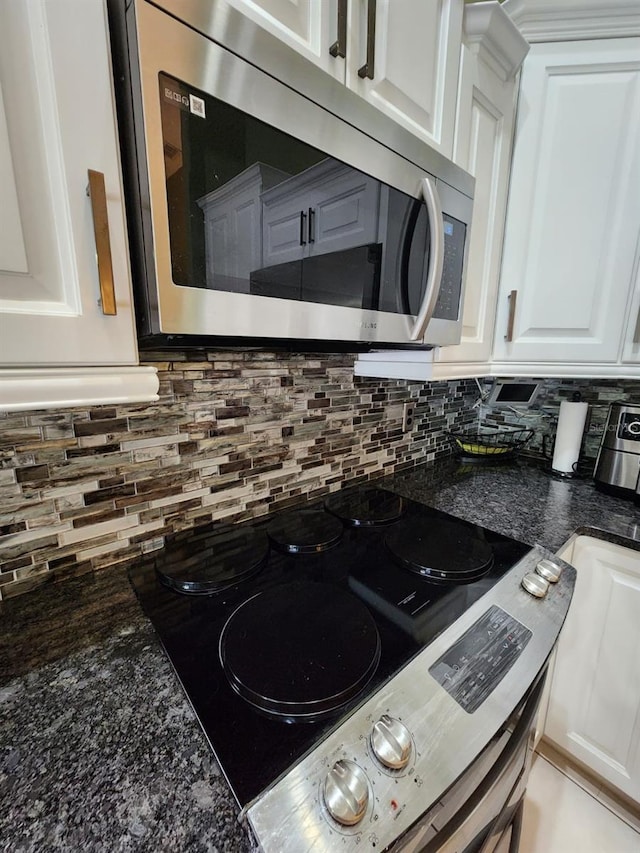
{"points": [[262, 212]]}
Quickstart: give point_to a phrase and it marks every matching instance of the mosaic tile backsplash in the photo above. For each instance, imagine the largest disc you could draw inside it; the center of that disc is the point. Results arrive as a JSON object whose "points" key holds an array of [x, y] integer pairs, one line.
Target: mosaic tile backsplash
{"points": [[234, 435], [542, 415]]}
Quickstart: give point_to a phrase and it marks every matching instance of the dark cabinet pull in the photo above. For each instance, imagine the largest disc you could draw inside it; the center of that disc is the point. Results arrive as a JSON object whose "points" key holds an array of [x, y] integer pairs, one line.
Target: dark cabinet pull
{"points": [[303, 222], [312, 224], [513, 295], [368, 69], [339, 47]]}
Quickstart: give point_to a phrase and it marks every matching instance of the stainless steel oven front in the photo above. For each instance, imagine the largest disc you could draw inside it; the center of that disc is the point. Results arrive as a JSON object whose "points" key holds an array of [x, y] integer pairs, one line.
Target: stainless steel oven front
{"points": [[257, 213]]}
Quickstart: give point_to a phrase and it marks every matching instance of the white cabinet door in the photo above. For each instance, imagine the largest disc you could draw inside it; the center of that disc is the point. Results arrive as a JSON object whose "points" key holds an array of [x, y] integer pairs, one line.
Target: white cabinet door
{"points": [[631, 352], [574, 208], [233, 227], [326, 208], [57, 122], [414, 63], [594, 705], [308, 26], [483, 137]]}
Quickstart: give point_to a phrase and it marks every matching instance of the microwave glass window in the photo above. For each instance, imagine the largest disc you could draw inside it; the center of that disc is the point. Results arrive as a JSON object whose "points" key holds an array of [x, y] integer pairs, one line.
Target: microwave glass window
{"points": [[255, 210]]}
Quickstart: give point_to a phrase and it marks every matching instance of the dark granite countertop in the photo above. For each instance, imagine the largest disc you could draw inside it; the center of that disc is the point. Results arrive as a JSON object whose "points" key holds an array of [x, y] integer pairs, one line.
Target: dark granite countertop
{"points": [[100, 748], [521, 500]]}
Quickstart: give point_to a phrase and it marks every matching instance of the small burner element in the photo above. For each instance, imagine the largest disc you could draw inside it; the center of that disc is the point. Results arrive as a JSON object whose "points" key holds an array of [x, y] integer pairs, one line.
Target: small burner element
{"points": [[300, 651], [209, 560], [305, 531], [366, 507], [440, 550]]}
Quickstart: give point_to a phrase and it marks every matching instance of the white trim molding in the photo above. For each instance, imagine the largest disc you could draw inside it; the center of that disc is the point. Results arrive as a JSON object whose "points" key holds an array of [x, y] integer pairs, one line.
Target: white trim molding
{"points": [[53, 388], [492, 34], [570, 20]]}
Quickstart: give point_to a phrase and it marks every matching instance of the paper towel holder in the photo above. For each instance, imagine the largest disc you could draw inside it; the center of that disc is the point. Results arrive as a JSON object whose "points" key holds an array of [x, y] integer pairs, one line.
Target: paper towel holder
{"points": [[576, 473]]}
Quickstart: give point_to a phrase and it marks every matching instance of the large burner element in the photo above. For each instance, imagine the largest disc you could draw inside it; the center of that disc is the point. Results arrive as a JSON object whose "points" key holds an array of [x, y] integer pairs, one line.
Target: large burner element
{"points": [[440, 550], [205, 561], [305, 531], [300, 651], [366, 508]]}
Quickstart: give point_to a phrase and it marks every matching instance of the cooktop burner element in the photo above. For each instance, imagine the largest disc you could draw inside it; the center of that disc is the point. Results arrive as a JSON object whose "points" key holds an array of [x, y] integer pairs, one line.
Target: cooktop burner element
{"points": [[205, 561], [440, 550], [366, 507], [305, 532], [300, 651]]}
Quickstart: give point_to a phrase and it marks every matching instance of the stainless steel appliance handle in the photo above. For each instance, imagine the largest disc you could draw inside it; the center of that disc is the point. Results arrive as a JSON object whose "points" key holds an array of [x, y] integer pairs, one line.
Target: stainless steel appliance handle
{"points": [[368, 69], [339, 47], [436, 259]]}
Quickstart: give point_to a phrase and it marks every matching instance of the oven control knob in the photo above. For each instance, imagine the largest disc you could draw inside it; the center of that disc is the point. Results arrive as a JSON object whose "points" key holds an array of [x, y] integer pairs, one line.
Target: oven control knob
{"points": [[549, 570], [346, 792], [391, 742], [535, 585]]}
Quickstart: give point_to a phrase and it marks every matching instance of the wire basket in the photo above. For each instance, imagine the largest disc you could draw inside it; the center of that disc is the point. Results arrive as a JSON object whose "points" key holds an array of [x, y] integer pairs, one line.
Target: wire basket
{"points": [[495, 445]]}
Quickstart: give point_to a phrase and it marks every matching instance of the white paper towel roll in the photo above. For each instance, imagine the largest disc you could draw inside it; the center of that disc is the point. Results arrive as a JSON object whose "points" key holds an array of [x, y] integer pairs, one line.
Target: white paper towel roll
{"points": [[569, 435]]}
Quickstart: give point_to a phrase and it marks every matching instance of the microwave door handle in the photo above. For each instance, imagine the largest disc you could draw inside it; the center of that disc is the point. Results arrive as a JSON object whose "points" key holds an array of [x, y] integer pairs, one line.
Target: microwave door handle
{"points": [[431, 198]]}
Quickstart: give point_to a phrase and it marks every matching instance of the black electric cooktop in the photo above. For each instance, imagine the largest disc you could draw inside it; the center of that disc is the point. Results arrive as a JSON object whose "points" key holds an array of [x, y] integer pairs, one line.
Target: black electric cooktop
{"points": [[279, 627]]}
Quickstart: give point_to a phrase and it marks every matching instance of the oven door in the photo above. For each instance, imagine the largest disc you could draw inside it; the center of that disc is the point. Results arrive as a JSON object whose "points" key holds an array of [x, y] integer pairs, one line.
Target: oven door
{"points": [[256, 222], [482, 813]]}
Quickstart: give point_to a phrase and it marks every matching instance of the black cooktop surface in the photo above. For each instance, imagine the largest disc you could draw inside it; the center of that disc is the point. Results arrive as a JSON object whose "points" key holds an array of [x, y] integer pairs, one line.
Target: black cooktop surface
{"points": [[288, 642]]}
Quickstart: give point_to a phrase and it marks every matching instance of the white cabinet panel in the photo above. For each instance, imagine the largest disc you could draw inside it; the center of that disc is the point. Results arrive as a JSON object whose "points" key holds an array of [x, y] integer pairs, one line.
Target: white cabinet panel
{"points": [[13, 255], [233, 227], [594, 707], [56, 84], [631, 352], [487, 93], [574, 208], [416, 60], [416, 53], [326, 208], [309, 26]]}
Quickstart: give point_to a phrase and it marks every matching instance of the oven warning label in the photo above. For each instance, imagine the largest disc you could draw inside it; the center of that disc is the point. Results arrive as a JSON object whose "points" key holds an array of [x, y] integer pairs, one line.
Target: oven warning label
{"points": [[196, 105], [186, 102]]}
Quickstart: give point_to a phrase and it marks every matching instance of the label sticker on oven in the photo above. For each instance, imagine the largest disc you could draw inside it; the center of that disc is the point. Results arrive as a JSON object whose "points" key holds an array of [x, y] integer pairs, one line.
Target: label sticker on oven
{"points": [[196, 105], [474, 665]]}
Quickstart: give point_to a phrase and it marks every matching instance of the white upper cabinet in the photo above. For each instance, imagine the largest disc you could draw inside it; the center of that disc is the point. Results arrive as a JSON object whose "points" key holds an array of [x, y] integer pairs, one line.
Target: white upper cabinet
{"points": [[492, 53], [308, 26], [402, 56], [56, 123], [573, 220]]}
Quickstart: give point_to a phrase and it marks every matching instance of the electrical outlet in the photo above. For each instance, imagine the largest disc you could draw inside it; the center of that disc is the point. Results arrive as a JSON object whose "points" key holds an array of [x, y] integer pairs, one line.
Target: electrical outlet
{"points": [[408, 414]]}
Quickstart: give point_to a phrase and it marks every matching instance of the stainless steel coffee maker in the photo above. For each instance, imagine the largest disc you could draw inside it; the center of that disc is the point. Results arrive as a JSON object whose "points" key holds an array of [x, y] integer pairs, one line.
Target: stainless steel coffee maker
{"points": [[618, 465]]}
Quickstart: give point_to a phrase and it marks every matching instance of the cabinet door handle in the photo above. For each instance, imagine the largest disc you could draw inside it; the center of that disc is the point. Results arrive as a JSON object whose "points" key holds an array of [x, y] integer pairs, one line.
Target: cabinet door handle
{"points": [[368, 69], [339, 47], [312, 225], [98, 196], [512, 297], [303, 221]]}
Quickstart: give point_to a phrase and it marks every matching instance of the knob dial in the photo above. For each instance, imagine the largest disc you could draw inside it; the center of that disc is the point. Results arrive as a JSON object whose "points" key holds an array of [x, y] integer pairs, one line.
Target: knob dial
{"points": [[535, 585], [549, 570], [346, 792], [391, 742]]}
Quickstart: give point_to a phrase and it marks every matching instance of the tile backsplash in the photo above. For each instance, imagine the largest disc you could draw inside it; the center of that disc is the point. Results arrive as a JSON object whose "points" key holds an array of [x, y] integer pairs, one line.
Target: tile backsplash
{"points": [[542, 415], [235, 434]]}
